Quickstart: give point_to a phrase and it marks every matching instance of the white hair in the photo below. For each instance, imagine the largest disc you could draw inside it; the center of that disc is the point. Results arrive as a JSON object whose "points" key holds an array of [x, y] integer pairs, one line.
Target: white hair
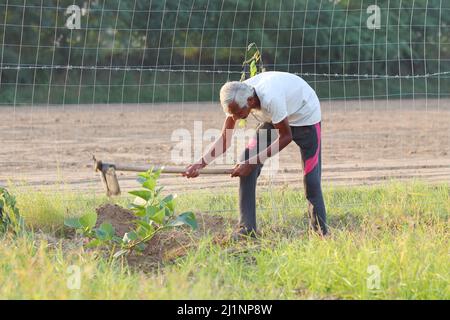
{"points": [[235, 91]]}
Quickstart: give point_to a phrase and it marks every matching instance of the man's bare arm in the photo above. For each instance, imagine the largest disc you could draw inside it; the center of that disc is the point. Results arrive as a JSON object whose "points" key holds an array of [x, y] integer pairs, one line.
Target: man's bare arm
{"points": [[284, 138], [222, 144]]}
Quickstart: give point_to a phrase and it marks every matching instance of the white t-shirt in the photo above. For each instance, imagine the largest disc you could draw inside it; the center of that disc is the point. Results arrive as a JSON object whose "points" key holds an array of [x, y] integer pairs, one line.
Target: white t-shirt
{"points": [[284, 95]]}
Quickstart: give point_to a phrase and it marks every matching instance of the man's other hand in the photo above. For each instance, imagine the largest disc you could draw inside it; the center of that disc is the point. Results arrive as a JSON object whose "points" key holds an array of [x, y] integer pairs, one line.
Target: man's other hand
{"points": [[193, 171], [243, 170]]}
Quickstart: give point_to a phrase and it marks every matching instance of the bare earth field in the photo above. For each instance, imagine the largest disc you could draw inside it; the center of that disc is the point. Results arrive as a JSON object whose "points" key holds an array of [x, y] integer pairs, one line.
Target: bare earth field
{"points": [[364, 142]]}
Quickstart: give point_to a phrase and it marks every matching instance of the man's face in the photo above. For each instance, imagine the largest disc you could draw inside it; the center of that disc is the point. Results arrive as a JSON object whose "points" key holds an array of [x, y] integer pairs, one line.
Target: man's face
{"points": [[237, 112]]}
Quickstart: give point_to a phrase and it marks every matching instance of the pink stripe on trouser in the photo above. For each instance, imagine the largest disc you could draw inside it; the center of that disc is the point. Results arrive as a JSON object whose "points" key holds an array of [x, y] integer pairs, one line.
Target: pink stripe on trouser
{"points": [[252, 143], [310, 164]]}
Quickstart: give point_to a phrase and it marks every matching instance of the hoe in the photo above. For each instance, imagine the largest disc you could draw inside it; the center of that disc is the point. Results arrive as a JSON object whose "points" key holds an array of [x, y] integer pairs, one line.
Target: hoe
{"points": [[111, 183]]}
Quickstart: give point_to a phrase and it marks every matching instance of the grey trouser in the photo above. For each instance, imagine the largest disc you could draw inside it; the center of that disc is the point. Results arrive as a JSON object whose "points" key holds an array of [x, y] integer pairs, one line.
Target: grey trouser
{"points": [[308, 138]]}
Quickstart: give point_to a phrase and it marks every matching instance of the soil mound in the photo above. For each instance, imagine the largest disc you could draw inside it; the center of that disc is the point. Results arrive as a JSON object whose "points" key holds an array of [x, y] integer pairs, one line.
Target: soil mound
{"points": [[120, 218], [167, 245]]}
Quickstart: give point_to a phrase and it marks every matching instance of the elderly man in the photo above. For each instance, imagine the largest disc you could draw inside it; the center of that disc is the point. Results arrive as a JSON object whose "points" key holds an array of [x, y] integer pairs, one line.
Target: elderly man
{"points": [[286, 103]]}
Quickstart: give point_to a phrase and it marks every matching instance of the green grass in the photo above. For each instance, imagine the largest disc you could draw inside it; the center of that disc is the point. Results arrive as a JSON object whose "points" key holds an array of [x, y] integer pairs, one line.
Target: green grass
{"points": [[402, 228]]}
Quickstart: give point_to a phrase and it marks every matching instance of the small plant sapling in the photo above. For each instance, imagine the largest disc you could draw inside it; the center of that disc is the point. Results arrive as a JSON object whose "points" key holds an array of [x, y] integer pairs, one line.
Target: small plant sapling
{"points": [[252, 63], [85, 226], [153, 215]]}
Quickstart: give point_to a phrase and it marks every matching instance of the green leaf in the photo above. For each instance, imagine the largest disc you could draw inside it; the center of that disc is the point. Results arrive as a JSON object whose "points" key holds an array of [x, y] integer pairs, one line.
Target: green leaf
{"points": [[141, 180], [145, 225], [144, 229], [108, 228], [157, 174], [140, 202], [130, 236], [141, 246], [89, 220], [143, 194], [136, 206], [94, 243], [169, 198], [117, 239], [147, 234], [187, 218], [175, 223], [105, 232], [144, 175], [169, 201], [253, 69], [140, 212], [100, 234], [151, 211], [159, 216], [149, 184], [73, 223], [168, 212]]}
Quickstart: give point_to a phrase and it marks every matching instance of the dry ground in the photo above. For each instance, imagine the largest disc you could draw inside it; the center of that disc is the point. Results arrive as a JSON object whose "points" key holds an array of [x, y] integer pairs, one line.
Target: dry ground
{"points": [[363, 142]]}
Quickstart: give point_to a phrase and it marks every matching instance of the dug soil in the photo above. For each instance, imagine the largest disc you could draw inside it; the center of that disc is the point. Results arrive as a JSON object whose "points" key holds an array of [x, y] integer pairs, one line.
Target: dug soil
{"points": [[167, 246]]}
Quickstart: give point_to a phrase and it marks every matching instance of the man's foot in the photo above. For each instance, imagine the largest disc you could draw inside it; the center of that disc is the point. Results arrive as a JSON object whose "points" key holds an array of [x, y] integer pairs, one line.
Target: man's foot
{"points": [[244, 234]]}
